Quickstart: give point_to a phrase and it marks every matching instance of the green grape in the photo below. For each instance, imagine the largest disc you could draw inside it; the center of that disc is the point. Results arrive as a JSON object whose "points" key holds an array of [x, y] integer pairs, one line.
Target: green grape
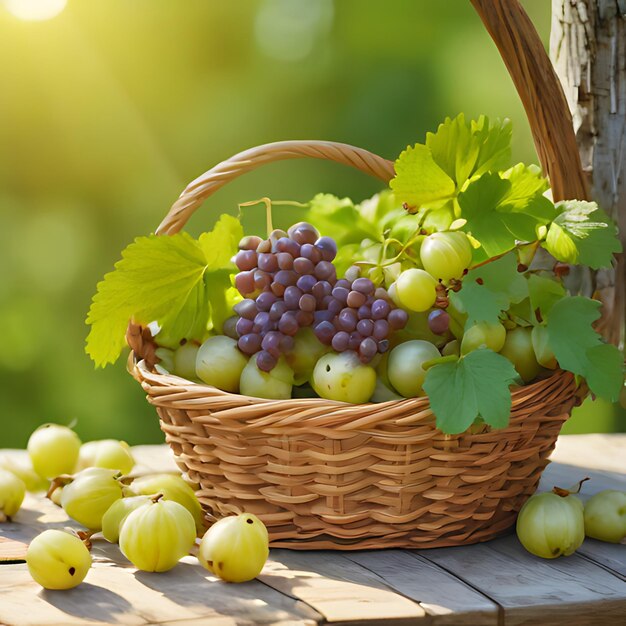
{"points": [[342, 377], [58, 560], [605, 516], [274, 385], [12, 492], [53, 450], [550, 525], [185, 360], [23, 469], [518, 348], [306, 351], [543, 353], [235, 548], [88, 497], [483, 335], [383, 393], [157, 535], [451, 348], [415, 290], [220, 363], [167, 359], [114, 518], [446, 255], [173, 487], [404, 368], [107, 453]]}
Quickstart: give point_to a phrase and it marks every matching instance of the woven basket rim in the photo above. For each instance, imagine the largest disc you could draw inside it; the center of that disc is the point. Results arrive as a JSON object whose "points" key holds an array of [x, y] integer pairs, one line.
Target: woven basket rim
{"points": [[312, 412]]}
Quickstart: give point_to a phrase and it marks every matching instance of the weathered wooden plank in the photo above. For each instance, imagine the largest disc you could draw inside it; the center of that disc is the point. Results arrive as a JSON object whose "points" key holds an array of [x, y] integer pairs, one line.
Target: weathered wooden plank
{"points": [[341, 590], [531, 590], [445, 598]]}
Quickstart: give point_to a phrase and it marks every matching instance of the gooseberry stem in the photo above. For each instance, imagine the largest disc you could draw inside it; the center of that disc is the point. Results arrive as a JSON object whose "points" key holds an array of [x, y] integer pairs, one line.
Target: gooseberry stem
{"points": [[59, 481], [572, 490]]}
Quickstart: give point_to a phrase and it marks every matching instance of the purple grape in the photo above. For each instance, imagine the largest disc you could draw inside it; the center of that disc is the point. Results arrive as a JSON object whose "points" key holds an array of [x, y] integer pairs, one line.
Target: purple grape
{"points": [[264, 246], [368, 348], [285, 244], [302, 232], [243, 326], [277, 289], [304, 318], [380, 309], [364, 312], [381, 330], [285, 278], [306, 283], [246, 308], [261, 318], [347, 320], [342, 282], [265, 361], [250, 243], [288, 324], [229, 328], [284, 260], [322, 316], [246, 260], [309, 251], [334, 305], [271, 342], [364, 285], [307, 303], [262, 280], [320, 289], [383, 346], [325, 270], [328, 248], [398, 319], [381, 294], [355, 341], [340, 341], [438, 321], [286, 344], [268, 262], [250, 343], [365, 327], [356, 299], [275, 236], [303, 266], [325, 332], [244, 283], [265, 300], [341, 294], [277, 310], [292, 297]]}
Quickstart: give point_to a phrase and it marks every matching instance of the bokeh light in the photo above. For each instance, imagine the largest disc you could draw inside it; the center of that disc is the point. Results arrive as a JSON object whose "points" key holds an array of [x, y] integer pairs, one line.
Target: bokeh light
{"points": [[35, 10]]}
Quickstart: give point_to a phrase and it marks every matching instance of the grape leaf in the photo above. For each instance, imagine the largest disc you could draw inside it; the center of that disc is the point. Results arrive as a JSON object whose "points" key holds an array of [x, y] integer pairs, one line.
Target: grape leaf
{"points": [[582, 234], [475, 386], [419, 179], [501, 210], [164, 279], [605, 375], [544, 293], [490, 289], [463, 150]]}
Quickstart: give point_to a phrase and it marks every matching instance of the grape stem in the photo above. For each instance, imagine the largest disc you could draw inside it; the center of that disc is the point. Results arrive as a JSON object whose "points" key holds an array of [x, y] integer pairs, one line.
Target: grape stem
{"points": [[439, 360], [572, 490]]}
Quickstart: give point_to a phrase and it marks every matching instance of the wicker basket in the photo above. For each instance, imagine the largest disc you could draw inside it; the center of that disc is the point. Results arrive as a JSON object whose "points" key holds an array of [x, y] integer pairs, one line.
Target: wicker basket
{"points": [[327, 475]]}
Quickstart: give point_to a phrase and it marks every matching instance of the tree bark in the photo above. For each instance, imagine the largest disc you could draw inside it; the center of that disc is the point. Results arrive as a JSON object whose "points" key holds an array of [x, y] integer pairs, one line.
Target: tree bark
{"points": [[588, 49]]}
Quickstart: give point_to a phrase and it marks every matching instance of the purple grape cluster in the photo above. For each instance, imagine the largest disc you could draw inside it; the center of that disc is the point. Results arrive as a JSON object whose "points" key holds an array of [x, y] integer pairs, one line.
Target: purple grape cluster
{"points": [[358, 316], [286, 281]]}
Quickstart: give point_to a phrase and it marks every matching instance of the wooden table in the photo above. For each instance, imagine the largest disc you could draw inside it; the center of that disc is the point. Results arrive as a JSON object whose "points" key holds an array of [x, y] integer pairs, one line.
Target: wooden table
{"points": [[493, 583]]}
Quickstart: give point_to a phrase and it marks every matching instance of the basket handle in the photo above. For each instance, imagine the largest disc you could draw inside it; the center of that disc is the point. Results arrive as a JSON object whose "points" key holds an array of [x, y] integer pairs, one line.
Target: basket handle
{"points": [[208, 183], [541, 94]]}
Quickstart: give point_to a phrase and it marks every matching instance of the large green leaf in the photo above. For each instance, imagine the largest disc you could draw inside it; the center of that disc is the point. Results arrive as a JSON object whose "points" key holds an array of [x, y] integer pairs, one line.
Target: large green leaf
{"points": [[476, 385]]}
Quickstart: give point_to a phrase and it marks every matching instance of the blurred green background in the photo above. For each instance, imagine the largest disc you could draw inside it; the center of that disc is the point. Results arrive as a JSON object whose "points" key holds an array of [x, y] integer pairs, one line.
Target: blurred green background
{"points": [[110, 107]]}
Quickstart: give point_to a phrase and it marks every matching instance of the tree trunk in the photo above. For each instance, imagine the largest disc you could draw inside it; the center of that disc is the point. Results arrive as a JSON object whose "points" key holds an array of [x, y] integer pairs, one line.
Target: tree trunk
{"points": [[588, 49]]}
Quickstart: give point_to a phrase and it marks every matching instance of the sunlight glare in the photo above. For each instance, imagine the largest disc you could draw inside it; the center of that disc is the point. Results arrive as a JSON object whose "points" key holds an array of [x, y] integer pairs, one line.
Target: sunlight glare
{"points": [[35, 10]]}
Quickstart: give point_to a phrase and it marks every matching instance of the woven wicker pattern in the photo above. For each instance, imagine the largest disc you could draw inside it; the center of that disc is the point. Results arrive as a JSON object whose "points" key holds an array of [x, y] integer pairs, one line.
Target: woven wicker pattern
{"points": [[327, 475]]}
